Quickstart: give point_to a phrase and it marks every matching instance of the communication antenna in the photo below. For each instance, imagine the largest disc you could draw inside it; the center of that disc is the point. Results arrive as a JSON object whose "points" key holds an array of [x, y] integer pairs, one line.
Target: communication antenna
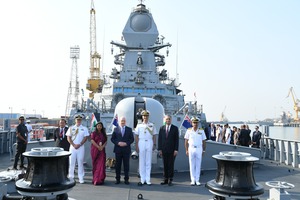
{"points": [[73, 91]]}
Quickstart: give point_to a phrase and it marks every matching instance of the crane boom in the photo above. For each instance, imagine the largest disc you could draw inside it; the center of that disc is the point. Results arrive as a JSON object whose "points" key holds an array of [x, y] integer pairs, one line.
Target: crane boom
{"points": [[95, 82], [295, 101]]}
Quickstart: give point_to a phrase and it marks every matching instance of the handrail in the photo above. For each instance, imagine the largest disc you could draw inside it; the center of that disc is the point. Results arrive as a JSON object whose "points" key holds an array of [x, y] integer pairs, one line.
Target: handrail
{"points": [[282, 151]]}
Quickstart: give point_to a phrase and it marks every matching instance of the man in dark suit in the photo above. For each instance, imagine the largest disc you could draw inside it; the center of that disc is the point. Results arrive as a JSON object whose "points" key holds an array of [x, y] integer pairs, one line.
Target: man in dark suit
{"points": [[211, 132], [244, 137], [122, 137], [168, 140], [60, 137]]}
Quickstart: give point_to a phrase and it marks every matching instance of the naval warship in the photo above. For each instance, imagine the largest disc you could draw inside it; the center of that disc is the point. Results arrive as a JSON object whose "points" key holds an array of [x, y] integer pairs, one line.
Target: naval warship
{"points": [[139, 79]]}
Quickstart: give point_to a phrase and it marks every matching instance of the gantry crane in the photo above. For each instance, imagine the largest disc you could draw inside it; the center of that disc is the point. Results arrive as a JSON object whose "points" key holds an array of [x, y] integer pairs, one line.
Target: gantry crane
{"points": [[95, 83], [296, 103]]}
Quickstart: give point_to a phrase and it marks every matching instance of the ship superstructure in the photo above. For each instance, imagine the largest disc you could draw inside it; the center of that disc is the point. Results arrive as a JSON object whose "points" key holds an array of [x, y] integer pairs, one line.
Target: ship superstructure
{"points": [[140, 63], [140, 71]]}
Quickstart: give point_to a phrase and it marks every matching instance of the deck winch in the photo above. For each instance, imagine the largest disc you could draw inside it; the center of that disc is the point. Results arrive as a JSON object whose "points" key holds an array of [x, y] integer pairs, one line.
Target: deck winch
{"points": [[234, 178]]}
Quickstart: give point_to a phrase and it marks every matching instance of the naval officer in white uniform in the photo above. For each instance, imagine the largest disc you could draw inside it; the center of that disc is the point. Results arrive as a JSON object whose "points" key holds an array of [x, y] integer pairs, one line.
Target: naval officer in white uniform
{"points": [[195, 146], [145, 143], [77, 136]]}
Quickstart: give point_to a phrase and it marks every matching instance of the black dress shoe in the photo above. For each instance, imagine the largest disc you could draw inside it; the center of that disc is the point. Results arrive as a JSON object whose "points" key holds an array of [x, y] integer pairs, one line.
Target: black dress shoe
{"points": [[126, 182], [165, 182], [140, 184], [117, 182], [170, 183]]}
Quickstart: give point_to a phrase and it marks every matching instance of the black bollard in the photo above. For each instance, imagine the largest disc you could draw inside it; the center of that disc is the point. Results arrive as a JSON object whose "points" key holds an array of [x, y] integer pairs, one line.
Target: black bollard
{"points": [[234, 176], [46, 174]]}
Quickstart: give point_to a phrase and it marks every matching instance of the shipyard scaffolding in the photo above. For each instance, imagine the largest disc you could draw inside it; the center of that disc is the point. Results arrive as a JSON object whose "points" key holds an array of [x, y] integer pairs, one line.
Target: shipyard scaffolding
{"points": [[73, 91]]}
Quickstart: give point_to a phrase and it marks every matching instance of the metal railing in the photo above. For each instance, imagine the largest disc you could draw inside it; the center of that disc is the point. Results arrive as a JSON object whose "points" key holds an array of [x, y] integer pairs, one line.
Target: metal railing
{"points": [[281, 150], [8, 138]]}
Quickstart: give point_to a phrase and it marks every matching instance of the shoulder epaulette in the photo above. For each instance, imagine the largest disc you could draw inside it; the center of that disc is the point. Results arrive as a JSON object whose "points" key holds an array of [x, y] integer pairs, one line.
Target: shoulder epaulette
{"points": [[190, 128], [200, 128]]}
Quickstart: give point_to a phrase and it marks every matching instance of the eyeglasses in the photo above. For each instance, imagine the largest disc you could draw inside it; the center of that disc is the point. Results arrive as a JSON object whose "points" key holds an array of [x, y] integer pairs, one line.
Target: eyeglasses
{"points": [[21, 119]]}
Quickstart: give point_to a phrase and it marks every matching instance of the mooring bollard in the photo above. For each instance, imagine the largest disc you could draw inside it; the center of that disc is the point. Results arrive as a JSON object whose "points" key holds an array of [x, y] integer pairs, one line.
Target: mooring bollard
{"points": [[46, 175], [234, 176]]}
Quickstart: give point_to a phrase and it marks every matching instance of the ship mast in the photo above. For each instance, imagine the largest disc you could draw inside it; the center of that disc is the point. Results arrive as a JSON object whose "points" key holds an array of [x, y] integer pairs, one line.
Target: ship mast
{"points": [[95, 83]]}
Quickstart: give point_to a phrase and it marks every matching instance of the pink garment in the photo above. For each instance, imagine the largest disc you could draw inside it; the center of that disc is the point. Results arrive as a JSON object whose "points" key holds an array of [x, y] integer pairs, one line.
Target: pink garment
{"points": [[98, 159]]}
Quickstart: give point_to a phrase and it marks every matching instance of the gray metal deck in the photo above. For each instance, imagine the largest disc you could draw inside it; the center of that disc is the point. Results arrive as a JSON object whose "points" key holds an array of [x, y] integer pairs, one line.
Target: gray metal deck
{"points": [[263, 171]]}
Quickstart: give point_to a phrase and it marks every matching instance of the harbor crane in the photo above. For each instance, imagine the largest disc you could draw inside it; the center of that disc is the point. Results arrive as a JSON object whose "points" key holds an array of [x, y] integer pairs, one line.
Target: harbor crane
{"points": [[223, 118], [296, 103], [94, 83]]}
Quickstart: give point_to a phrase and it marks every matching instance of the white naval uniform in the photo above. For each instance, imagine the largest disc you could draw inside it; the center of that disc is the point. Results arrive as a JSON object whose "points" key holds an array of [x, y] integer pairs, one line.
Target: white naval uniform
{"points": [[195, 140], [77, 154], [145, 133], [227, 135]]}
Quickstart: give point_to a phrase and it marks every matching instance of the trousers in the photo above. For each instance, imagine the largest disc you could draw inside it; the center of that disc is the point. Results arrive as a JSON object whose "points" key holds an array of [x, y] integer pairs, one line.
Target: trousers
{"points": [[195, 159], [76, 155], [145, 158]]}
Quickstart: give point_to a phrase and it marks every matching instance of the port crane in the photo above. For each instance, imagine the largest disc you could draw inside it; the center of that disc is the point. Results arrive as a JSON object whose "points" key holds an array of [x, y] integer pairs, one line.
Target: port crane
{"points": [[223, 118], [94, 83], [296, 103]]}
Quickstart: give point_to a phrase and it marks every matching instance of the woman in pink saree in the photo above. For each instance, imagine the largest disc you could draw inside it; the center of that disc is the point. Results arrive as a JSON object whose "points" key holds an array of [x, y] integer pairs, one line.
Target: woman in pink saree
{"points": [[98, 140]]}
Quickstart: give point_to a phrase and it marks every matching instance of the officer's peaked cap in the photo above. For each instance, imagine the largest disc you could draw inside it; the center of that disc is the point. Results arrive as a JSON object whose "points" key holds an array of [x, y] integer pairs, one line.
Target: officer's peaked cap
{"points": [[195, 119], [145, 113], [78, 117]]}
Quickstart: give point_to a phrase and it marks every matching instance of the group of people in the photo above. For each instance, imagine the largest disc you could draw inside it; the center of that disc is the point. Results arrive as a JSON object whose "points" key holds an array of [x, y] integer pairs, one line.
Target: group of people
{"points": [[145, 135], [73, 138], [237, 136]]}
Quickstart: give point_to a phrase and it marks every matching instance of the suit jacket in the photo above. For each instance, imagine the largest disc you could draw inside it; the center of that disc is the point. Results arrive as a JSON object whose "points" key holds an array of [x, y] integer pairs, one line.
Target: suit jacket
{"points": [[168, 144], [244, 137], [127, 137], [59, 141]]}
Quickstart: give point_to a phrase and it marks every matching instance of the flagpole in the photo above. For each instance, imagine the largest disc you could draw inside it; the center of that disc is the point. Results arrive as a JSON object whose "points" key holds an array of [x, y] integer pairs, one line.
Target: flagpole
{"points": [[182, 122], [110, 126]]}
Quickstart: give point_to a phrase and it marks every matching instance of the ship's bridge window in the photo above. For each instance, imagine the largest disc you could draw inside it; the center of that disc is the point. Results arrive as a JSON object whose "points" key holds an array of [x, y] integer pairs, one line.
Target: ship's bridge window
{"points": [[138, 90], [160, 91], [117, 89], [127, 90], [151, 91]]}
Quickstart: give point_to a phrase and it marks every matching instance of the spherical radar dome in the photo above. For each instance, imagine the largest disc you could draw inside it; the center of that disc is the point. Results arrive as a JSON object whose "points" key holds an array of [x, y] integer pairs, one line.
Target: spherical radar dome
{"points": [[140, 23]]}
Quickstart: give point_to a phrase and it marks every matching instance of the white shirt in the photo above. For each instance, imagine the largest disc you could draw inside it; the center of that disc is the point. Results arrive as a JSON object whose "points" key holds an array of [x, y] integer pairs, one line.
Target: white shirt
{"points": [[145, 131], [195, 138], [29, 127], [77, 136]]}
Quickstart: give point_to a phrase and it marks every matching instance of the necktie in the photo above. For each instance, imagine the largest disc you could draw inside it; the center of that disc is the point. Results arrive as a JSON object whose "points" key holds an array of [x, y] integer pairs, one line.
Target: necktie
{"points": [[62, 132], [123, 130], [167, 131]]}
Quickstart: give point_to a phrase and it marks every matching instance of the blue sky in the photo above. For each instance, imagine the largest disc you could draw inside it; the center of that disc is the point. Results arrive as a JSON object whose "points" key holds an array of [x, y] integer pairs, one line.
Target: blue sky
{"points": [[238, 54]]}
